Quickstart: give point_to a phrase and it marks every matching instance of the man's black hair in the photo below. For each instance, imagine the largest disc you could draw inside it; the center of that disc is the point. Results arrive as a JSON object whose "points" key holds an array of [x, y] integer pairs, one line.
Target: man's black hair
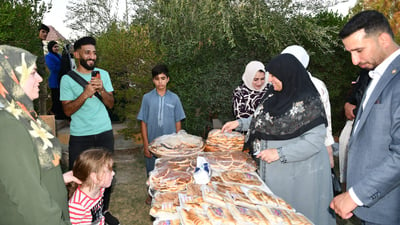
{"points": [[84, 41], [371, 21], [159, 69], [43, 27]]}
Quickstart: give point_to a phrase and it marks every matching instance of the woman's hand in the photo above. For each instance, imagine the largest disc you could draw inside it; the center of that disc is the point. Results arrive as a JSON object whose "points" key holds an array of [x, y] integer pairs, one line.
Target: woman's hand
{"points": [[229, 126], [269, 155], [69, 177]]}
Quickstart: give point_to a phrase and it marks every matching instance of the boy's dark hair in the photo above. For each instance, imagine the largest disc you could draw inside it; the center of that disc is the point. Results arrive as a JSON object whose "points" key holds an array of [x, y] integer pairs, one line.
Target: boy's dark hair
{"points": [[43, 27], [371, 21], [159, 69], [84, 41]]}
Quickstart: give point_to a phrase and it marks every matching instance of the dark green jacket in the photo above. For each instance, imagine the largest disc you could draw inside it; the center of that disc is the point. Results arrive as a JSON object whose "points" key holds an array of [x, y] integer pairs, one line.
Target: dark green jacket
{"points": [[28, 193]]}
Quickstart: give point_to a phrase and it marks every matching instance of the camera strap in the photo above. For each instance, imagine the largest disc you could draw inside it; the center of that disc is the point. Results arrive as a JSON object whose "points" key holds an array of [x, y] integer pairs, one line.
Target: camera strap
{"points": [[78, 79]]}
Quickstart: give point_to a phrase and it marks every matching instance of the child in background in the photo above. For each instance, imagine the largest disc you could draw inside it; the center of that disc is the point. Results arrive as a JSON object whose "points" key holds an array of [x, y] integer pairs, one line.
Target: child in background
{"points": [[161, 113], [94, 169]]}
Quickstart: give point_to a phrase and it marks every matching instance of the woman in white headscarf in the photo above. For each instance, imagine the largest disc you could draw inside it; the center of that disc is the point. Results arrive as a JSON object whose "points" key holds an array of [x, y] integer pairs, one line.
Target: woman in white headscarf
{"points": [[248, 95]]}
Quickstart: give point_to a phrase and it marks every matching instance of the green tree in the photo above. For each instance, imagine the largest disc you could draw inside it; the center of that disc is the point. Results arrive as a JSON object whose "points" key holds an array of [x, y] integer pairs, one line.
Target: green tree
{"points": [[208, 43], [19, 21], [91, 17], [128, 55], [334, 67]]}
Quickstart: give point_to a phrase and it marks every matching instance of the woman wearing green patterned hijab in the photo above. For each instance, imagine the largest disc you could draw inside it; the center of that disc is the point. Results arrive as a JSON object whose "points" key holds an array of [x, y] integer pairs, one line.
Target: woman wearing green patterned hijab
{"points": [[32, 189]]}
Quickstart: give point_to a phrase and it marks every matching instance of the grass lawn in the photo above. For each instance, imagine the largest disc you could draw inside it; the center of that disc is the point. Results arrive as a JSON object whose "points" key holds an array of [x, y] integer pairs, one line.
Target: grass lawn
{"points": [[129, 190]]}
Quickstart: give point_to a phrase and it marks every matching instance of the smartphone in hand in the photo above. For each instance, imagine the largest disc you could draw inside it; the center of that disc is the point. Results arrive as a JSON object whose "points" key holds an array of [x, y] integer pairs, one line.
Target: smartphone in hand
{"points": [[96, 74]]}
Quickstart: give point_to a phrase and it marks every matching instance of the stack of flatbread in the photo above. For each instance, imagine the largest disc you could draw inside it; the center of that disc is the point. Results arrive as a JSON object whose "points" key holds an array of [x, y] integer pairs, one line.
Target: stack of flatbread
{"points": [[232, 160], [177, 144], [176, 163], [224, 141], [246, 178], [169, 180]]}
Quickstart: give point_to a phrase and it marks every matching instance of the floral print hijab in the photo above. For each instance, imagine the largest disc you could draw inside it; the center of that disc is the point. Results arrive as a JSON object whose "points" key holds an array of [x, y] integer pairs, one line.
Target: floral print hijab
{"points": [[15, 67], [290, 112]]}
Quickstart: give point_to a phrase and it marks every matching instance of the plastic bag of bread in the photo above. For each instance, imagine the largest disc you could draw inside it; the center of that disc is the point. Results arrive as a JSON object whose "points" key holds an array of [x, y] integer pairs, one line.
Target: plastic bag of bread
{"points": [[234, 192], [164, 204], [213, 196], [241, 199], [192, 195], [176, 144], [195, 202], [232, 160], [166, 179], [220, 215], [224, 141], [165, 221], [182, 163], [247, 216], [277, 216], [244, 178], [193, 217], [265, 197]]}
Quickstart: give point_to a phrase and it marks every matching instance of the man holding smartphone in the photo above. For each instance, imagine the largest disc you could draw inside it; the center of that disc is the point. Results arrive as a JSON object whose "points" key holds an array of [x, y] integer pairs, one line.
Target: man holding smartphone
{"points": [[87, 106]]}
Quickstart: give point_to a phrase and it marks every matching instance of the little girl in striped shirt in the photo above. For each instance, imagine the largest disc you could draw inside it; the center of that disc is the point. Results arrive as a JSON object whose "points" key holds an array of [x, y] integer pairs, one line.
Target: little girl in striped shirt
{"points": [[94, 168]]}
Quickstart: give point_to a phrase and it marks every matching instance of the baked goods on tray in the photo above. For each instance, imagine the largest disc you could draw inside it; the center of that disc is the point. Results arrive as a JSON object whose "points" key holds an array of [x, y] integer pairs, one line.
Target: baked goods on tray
{"points": [[177, 163], [177, 144], [172, 221], [164, 204], [169, 180], [220, 215], [224, 141], [193, 217], [282, 216], [232, 160], [247, 215], [245, 178]]}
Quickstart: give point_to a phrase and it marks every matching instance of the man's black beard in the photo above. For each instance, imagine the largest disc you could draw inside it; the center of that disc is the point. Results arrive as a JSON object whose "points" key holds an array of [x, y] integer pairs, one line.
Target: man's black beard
{"points": [[85, 65]]}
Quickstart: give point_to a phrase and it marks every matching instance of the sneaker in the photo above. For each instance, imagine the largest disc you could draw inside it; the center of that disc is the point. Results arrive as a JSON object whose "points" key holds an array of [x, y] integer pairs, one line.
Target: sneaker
{"points": [[110, 219]]}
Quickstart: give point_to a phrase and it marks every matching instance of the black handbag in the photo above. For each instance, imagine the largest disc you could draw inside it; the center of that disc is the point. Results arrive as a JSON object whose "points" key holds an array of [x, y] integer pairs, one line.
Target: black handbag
{"points": [[337, 188]]}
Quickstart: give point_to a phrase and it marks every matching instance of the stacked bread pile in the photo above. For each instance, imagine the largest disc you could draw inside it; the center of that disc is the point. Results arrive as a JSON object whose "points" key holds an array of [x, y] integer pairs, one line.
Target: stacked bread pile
{"points": [[166, 179], [224, 141], [231, 197], [232, 160], [177, 144], [187, 164]]}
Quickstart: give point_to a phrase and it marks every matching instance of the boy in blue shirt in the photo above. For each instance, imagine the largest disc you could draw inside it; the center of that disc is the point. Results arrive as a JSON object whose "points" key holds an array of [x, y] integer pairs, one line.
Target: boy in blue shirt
{"points": [[161, 113]]}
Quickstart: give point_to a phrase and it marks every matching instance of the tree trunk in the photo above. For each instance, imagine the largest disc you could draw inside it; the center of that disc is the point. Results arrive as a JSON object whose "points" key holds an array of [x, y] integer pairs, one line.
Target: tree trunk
{"points": [[43, 98]]}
